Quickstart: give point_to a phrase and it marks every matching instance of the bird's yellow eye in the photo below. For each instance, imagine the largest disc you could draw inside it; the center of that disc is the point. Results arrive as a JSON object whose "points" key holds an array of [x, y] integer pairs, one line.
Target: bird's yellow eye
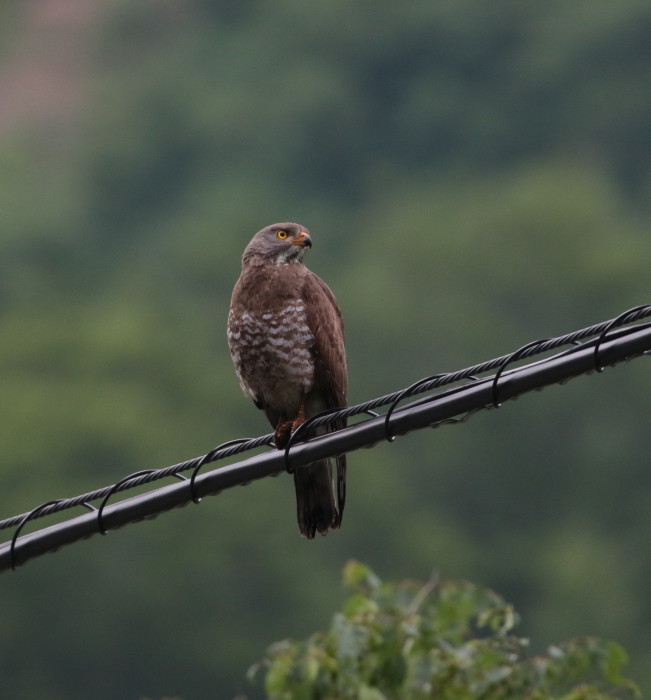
{"points": [[281, 234]]}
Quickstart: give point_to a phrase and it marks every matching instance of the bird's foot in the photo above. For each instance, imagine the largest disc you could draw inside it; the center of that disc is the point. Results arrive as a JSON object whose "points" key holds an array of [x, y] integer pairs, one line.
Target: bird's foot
{"points": [[282, 434], [285, 429]]}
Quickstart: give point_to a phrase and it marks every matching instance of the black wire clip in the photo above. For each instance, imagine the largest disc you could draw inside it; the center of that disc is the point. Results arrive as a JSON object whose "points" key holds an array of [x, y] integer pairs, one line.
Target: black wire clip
{"points": [[617, 321], [32, 514], [209, 457], [389, 437], [303, 428], [100, 511], [507, 361]]}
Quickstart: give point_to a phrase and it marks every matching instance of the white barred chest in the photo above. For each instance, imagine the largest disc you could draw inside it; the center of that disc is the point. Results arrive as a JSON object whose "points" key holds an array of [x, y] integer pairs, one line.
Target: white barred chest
{"points": [[272, 353]]}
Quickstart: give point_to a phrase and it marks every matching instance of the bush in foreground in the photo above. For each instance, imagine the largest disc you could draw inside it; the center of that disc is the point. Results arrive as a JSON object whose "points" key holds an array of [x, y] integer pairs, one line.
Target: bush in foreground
{"points": [[440, 639]]}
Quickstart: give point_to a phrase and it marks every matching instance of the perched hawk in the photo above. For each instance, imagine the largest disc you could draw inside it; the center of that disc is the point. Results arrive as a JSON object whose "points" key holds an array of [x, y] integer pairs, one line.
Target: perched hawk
{"points": [[286, 338]]}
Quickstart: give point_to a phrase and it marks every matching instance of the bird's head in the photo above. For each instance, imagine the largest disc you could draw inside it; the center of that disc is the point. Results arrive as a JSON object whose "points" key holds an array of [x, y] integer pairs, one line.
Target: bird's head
{"points": [[279, 243]]}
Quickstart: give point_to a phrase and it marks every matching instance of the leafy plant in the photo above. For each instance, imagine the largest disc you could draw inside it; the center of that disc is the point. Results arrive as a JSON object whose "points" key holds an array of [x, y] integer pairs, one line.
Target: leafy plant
{"points": [[444, 639]]}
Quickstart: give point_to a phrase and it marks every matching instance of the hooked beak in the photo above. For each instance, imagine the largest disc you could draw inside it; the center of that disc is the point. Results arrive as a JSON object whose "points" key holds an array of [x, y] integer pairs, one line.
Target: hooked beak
{"points": [[303, 239]]}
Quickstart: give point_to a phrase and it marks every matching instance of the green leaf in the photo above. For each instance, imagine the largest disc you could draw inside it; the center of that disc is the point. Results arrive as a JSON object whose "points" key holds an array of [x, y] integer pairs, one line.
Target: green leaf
{"points": [[380, 647], [357, 576]]}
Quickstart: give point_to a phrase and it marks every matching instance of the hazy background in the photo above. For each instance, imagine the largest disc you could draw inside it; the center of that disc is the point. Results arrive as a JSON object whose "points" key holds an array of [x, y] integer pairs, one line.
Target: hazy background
{"points": [[475, 176]]}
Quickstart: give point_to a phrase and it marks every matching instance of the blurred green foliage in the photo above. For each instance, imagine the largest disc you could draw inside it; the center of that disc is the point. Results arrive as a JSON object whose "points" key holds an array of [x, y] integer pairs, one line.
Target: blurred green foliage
{"points": [[474, 175], [440, 639]]}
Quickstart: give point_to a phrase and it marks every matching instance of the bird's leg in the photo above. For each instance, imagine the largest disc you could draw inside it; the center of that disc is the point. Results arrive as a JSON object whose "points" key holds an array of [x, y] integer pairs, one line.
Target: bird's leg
{"points": [[300, 418], [282, 433], [286, 428]]}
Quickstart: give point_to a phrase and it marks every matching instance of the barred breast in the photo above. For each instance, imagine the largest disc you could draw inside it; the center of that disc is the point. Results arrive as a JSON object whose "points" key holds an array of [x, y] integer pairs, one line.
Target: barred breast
{"points": [[272, 353]]}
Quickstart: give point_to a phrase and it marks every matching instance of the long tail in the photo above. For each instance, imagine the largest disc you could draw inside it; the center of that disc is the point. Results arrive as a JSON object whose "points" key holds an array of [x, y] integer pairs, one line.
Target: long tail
{"points": [[319, 498]]}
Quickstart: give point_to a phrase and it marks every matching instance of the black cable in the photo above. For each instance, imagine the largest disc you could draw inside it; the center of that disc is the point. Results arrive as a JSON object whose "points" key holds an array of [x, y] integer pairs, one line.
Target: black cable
{"points": [[610, 344], [233, 447]]}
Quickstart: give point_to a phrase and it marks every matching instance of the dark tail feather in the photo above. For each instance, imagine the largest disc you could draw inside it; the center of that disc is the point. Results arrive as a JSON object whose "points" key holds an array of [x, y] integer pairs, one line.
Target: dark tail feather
{"points": [[319, 501], [341, 489]]}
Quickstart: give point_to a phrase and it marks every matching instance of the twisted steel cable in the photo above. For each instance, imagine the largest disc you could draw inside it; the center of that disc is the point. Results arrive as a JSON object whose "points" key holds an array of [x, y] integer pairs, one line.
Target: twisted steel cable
{"points": [[233, 447]]}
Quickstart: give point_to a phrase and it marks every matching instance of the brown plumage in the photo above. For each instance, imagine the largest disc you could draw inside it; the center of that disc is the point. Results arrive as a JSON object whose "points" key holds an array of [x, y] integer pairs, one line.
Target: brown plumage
{"points": [[286, 338]]}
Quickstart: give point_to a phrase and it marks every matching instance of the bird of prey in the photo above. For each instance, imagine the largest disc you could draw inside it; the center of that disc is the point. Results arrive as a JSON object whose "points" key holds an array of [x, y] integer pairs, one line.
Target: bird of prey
{"points": [[286, 338]]}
